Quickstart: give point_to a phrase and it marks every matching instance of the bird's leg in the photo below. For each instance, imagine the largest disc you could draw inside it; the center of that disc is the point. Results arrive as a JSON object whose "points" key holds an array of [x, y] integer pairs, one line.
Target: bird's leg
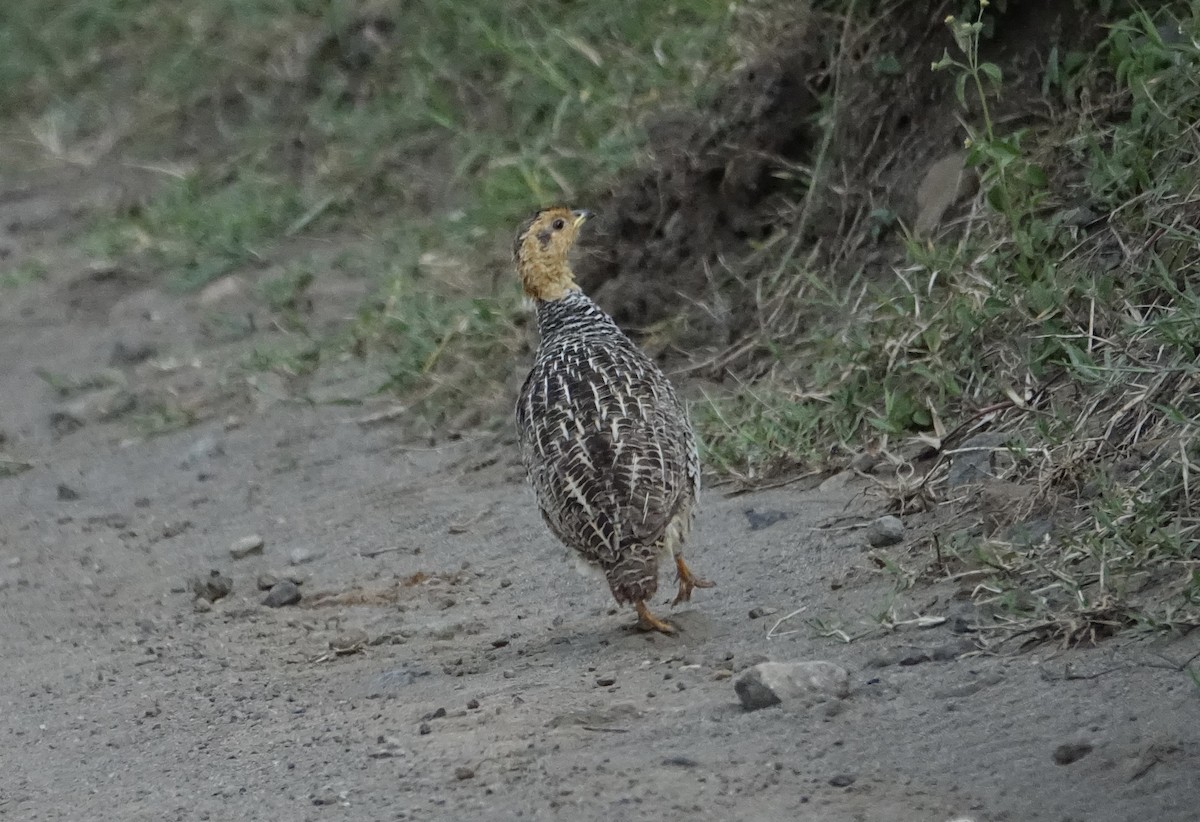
{"points": [[648, 621], [687, 581]]}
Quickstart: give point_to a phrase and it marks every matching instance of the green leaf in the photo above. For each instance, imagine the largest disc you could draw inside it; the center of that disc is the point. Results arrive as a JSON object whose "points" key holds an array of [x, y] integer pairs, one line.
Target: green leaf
{"points": [[997, 198], [960, 89], [993, 73]]}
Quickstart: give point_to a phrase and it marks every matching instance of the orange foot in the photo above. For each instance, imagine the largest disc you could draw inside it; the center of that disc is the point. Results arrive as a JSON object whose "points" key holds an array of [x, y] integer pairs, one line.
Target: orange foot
{"points": [[649, 622], [687, 581]]}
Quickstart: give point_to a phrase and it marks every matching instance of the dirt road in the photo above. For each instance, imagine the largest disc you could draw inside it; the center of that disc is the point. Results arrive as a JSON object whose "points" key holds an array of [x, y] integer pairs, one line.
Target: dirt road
{"points": [[473, 675]]}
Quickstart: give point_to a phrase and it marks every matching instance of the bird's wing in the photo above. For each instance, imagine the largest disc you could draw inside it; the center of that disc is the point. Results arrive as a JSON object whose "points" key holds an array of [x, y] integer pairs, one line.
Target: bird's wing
{"points": [[607, 449]]}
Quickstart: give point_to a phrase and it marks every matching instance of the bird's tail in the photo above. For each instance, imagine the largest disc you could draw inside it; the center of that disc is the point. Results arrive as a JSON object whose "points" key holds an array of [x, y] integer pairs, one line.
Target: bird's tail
{"points": [[634, 576]]}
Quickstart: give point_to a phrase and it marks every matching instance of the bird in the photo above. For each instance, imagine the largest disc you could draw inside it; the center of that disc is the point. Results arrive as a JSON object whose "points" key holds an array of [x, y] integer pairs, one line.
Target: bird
{"points": [[604, 439]]}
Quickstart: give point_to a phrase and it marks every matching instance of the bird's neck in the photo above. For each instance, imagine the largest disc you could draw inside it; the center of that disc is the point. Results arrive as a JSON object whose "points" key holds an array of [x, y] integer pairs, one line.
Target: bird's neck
{"points": [[547, 280], [572, 314]]}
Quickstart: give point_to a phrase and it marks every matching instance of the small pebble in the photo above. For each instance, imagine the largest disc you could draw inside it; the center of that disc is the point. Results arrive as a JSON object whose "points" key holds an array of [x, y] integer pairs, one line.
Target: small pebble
{"points": [[300, 556], [246, 547], [473, 704], [887, 530], [605, 681], [463, 772], [802, 682], [1071, 752], [681, 762], [212, 587], [66, 493], [349, 641], [266, 582], [759, 520], [281, 594], [424, 729], [842, 780]]}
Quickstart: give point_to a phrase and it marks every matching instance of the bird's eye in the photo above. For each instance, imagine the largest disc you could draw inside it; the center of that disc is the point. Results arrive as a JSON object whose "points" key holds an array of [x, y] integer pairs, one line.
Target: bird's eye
{"points": [[559, 225]]}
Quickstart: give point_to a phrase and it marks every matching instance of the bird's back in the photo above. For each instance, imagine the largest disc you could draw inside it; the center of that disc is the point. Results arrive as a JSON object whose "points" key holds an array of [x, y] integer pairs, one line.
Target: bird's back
{"points": [[604, 439]]}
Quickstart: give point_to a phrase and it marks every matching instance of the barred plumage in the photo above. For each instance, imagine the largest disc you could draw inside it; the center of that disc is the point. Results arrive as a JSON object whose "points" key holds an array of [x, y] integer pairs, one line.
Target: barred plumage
{"points": [[605, 441]]}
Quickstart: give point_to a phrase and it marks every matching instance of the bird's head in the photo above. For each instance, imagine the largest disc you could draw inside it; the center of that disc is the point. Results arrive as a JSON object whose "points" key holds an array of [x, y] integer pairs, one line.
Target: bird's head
{"points": [[541, 252]]}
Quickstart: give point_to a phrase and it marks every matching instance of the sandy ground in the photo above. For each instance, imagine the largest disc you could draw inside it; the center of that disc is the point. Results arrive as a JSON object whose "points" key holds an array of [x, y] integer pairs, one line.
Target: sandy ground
{"points": [[485, 679]]}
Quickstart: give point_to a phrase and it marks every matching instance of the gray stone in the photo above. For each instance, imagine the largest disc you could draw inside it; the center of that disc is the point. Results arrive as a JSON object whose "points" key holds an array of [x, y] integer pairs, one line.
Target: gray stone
{"points": [[300, 556], [105, 405], [398, 678], [1070, 752], [963, 618], [803, 683], [947, 181], [1078, 216], [66, 493], [681, 762], [887, 530], [281, 594], [972, 461], [246, 546], [837, 482], [266, 581], [1030, 533], [212, 587], [758, 520], [350, 641]]}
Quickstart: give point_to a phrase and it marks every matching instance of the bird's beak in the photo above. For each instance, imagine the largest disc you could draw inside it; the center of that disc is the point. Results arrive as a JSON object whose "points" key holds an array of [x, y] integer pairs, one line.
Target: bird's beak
{"points": [[582, 215]]}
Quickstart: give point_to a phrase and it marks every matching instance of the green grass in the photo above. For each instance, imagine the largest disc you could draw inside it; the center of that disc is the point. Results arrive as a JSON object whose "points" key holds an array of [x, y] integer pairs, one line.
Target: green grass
{"points": [[418, 136], [424, 128], [196, 232], [1081, 345], [477, 111], [1029, 298]]}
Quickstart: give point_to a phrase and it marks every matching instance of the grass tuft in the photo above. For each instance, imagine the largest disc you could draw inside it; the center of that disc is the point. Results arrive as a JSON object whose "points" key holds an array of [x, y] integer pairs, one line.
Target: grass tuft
{"points": [[1076, 339]]}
